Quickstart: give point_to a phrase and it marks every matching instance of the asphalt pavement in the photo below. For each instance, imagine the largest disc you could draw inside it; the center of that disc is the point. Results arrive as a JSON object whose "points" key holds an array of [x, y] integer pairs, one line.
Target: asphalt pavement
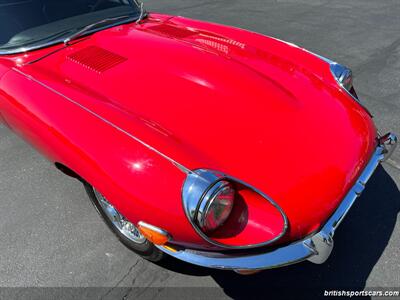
{"points": [[50, 235]]}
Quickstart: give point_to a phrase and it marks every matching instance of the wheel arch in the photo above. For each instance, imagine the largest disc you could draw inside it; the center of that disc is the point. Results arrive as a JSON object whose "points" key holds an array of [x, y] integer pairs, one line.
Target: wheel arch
{"points": [[68, 171]]}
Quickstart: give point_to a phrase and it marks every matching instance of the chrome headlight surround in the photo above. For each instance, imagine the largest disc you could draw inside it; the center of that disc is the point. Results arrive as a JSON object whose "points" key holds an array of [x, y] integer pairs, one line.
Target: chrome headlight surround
{"points": [[344, 77], [200, 184], [197, 192]]}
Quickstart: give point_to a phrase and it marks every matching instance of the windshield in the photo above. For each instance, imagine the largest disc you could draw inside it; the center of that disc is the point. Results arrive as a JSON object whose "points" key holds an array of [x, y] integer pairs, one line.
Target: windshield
{"points": [[32, 24]]}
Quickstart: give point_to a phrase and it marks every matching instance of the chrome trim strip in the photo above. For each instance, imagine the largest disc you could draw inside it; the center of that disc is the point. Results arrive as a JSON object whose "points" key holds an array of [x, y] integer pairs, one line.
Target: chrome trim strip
{"points": [[195, 187], [175, 163], [21, 50], [316, 249]]}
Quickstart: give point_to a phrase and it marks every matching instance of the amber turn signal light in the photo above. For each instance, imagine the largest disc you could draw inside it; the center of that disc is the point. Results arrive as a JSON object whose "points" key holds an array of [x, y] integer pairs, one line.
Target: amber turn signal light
{"points": [[154, 234]]}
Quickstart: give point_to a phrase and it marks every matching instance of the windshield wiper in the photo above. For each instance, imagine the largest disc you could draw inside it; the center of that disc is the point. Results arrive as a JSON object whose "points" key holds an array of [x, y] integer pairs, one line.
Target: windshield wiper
{"points": [[88, 28], [142, 13]]}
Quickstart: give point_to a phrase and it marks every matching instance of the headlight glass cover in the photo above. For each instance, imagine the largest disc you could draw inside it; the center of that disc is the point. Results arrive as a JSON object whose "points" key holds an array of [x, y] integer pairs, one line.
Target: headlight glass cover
{"points": [[216, 206], [344, 77]]}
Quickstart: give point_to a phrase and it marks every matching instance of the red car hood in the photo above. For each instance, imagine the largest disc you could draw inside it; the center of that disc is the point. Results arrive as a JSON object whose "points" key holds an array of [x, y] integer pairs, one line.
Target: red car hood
{"points": [[253, 107]]}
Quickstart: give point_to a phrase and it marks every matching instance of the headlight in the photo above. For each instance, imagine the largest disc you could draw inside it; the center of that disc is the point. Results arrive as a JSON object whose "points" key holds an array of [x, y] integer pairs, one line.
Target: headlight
{"points": [[229, 213], [215, 206], [344, 76]]}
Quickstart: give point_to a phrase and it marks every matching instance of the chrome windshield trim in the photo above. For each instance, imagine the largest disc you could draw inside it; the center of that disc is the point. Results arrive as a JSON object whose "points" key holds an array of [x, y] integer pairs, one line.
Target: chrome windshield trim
{"points": [[21, 50], [316, 248]]}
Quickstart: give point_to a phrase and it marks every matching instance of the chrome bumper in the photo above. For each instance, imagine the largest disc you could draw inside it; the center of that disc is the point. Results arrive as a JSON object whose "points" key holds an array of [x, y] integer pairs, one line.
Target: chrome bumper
{"points": [[315, 249]]}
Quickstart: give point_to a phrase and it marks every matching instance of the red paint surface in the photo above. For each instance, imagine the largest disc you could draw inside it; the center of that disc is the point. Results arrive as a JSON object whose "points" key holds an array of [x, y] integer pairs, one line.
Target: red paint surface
{"points": [[205, 95]]}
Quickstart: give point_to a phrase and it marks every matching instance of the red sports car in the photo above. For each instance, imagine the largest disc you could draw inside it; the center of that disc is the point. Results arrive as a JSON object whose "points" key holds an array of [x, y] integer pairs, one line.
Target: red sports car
{"points": [[219, 146]]}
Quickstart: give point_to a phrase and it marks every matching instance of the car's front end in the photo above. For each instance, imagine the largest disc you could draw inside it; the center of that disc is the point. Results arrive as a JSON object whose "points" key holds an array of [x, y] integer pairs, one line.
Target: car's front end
{"points": [[315, 248], [230, 150], [250, 231]]}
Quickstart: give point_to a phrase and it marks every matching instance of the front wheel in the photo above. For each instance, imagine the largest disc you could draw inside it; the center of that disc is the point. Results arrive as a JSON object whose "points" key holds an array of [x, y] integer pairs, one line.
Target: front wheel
{"points": [[126, 232]]}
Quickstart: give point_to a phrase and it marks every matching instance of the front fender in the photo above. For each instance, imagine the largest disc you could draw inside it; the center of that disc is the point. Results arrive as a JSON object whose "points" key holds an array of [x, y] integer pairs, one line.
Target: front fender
{"points": [[140, 183]]}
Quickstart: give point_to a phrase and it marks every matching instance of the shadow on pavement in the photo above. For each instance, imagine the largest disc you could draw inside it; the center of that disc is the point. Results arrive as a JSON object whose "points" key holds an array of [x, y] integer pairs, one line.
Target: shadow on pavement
{"points": [[359, 243]]}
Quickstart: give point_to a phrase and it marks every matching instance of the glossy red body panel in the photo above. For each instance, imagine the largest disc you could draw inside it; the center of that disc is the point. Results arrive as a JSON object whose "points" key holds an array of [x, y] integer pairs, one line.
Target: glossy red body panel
{"points": [[203, 95]]}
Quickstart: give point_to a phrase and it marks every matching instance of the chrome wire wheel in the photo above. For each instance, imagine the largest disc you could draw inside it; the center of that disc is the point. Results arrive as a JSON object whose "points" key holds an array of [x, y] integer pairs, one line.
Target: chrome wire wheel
{"points": [[125, 227], [127, 233]]}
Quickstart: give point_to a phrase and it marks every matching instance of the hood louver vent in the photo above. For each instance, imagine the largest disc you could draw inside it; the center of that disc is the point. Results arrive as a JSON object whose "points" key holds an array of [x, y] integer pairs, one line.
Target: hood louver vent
{"points": [[172, 31], [96, 59]]}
